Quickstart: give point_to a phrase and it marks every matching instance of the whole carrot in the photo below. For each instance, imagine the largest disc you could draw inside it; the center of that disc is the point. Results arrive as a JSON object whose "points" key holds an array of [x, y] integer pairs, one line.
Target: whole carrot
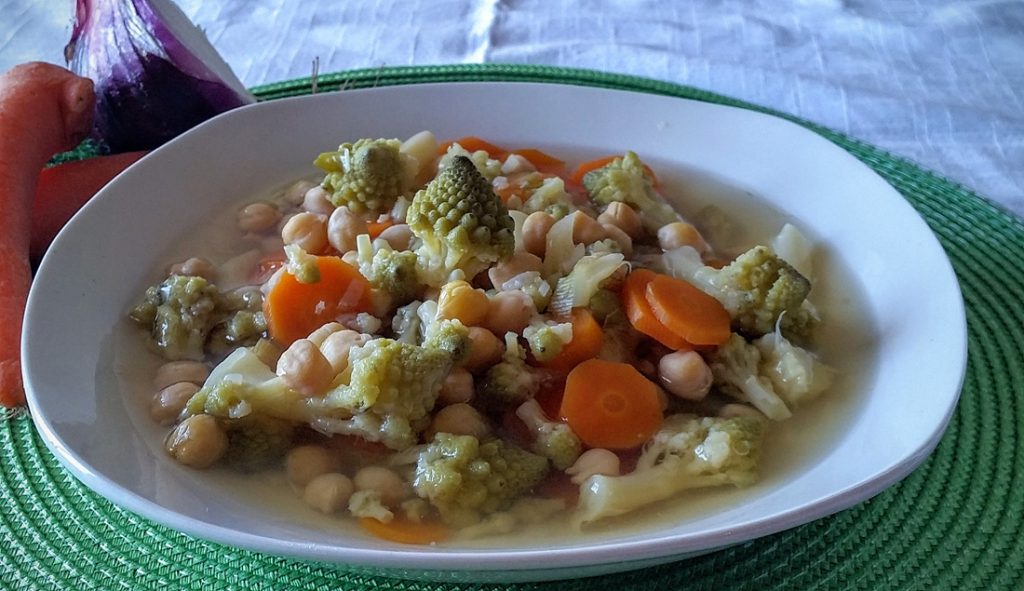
{"points": [[44, 109]]}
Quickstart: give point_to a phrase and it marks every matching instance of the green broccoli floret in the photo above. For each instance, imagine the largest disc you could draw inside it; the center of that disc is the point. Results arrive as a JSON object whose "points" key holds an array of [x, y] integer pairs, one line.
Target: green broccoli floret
{"points": [[461, 223], [391, 387], [257, 441], [758, 288], [508, 383], [179, 313], [367, 176], [626, 179], [552, 439], [688, 452], [466, 479]]}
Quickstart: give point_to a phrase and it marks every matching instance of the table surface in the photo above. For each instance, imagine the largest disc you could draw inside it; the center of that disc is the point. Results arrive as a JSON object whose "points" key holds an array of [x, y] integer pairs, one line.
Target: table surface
{"points": [[940, 83]]}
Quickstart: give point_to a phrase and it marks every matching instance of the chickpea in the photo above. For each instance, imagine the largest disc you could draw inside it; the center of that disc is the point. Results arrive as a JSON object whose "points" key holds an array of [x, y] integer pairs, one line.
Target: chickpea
{"points": [[168, 403], [591, 462], [328, 493], [620, 237], [457, 387], [672, 236], [306, 462], [307, 230], [337, 345], [197, 442], [258, 217], [685, 374], [318, 336], [459, 419], [386, 482], [399, 236], [624, 217], [518, 263], [485, 350], [343, 228], [297, 191], [173, 372], [305, 369], [535, 232], [586, 230], [193, 267], [459, 301], [509, 311], [317, 200]]}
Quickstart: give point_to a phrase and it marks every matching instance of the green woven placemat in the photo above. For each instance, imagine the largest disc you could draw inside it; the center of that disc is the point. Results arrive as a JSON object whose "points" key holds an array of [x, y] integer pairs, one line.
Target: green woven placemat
{"points": [[954, 523]]}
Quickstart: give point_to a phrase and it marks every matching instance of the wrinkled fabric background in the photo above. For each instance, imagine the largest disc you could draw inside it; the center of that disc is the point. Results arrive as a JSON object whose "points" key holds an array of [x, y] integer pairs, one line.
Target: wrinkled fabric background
{"points": [[938, 82]]}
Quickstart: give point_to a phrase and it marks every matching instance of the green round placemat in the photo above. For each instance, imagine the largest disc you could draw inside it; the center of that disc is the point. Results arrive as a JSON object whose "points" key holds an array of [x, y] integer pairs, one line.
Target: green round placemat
{"points": [[954, 523]]}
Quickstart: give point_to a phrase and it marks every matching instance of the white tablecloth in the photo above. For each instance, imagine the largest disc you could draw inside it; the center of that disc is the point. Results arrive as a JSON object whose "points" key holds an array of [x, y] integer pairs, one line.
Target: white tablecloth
{"points": [[939, 82]]}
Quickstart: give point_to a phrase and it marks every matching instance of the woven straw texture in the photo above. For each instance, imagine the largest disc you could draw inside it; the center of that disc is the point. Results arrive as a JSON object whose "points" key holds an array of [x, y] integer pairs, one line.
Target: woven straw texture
{"points": [[954, 523]]}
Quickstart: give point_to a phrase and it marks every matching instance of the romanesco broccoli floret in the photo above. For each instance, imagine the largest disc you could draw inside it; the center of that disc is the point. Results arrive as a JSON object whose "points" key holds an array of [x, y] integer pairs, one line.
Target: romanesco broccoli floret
{"points": [[549, 195], [466, 479], [450, 336], [461, 223], [687, 452], [488, 167], [391, 387], [257, 441], [393, 272], [300, 264], [625, 179], [179, 313], [366, 176], [510, 382], [554, 440], [758, 288], [242, 321]]}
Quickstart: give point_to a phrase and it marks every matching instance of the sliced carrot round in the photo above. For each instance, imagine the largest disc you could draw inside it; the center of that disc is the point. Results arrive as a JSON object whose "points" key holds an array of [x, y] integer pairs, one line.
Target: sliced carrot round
{"points": [[611, 405], [688, 311], [586, 343], [405, 531], [640, 314], [294, 309]]}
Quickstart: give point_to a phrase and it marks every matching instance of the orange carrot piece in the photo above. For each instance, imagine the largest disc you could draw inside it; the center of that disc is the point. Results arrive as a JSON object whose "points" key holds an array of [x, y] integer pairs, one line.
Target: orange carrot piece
{"points": [[63, 189], [405, 531], [44, 109], [688, 311], [542, 161], [294, 309], [471, 143], [375, 228], [582, 170], [586, 343], [640, 314], [611, 405]]}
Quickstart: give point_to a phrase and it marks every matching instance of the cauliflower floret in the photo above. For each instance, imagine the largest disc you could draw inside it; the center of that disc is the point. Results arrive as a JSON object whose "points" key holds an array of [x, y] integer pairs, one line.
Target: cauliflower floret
{"points": [[466, 479], [552, 439], [688, 452], [461, 224], [627, 180]]}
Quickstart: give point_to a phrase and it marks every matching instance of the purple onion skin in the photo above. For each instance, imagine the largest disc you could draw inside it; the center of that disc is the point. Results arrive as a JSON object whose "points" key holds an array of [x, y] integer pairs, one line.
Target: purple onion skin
{"points": [[149, 87]]}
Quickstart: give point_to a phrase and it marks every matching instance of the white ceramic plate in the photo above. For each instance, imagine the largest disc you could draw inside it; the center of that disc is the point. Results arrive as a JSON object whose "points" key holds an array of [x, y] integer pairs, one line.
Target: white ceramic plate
{"points": [[901, 355]]}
